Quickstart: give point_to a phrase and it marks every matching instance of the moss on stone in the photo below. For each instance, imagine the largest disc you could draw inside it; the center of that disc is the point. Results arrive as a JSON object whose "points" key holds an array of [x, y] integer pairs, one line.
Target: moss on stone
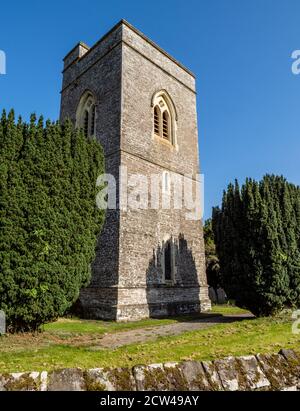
{"points": [[24, 383], [284, 371], [198, 381], [121, 378], [176, 378], [155, 377], [209, 370], [92, 384], [213, 384], [257, 377], [241, 375]]}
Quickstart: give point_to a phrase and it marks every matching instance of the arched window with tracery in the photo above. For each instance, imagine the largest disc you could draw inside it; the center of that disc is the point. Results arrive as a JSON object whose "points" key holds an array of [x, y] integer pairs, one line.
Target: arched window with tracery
{"points": [[86, 114], [164, 117]]}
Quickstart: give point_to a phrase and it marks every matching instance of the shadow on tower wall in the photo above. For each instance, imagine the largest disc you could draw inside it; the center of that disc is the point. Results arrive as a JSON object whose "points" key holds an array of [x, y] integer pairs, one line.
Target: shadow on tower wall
{"points": [[100, 298], [180, 295]]}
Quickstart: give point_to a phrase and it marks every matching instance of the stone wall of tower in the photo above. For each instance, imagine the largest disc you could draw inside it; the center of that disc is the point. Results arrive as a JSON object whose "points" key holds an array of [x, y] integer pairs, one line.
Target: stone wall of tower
{"points": [[142, 232], [142, 291], [147, 70], [123, 71], [99, 70]]}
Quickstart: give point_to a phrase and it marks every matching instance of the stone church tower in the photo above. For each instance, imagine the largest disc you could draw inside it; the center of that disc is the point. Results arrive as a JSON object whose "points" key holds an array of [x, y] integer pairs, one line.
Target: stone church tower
{"points": [[140, 103]]}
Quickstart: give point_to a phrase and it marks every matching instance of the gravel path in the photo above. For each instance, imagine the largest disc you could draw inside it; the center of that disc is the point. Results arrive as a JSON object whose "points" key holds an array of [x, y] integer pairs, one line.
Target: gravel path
{"points": [[151, 333]]}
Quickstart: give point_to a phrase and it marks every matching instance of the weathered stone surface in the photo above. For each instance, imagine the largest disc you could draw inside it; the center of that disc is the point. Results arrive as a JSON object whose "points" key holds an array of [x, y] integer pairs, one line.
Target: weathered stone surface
{"points": [[293, 360], [69, 379], [277, 370], [128, 281], [250, 374], [33, 381], [221, 295], [122, 379], [242, 373], [262, 372], [195, 376], [96, 379], [212, 376], [228, 373], [151, 378], [104, 379], [289, 355], [175, 376]]}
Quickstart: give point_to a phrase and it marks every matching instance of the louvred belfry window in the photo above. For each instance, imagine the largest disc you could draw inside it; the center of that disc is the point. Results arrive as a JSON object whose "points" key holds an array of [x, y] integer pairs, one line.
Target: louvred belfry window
{"points": [[166, 125], [164, 117], [157, 120]]}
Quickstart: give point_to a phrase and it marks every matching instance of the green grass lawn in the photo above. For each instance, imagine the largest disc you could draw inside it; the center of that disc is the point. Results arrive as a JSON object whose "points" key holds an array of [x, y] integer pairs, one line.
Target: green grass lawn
{"points": [[227, 309], [67, 326], [73, 343]]}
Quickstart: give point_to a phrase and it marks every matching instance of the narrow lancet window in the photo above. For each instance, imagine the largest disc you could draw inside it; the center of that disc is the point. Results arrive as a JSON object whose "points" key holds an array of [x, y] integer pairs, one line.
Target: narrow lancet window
{"points": [[93, 118], [86, 123], [166, 125], [156, 120], [168, 263]]}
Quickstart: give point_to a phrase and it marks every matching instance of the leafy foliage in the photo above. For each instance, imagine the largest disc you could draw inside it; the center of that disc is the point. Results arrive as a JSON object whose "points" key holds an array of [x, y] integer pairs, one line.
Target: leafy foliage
{"points": [[257, 236], [48, 218], [211, 258]]}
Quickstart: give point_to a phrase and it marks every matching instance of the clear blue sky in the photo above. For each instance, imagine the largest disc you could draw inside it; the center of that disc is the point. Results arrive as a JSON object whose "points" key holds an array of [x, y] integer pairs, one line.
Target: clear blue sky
{"points": [[240, 51]]}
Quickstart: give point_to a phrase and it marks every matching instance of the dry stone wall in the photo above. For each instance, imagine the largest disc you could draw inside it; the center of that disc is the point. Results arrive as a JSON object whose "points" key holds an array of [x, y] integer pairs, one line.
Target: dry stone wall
{"points": [[263, 372]]}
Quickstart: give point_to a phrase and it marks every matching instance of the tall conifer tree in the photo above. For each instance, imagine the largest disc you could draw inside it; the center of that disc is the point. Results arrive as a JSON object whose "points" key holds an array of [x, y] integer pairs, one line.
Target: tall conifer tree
{"points": [[48, 218], [257, 240]]}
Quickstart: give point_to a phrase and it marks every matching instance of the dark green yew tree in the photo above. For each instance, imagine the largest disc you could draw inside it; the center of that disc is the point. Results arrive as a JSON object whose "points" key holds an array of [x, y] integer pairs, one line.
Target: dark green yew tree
{"points": [[211, 259], [257, 237], [48, 218]]}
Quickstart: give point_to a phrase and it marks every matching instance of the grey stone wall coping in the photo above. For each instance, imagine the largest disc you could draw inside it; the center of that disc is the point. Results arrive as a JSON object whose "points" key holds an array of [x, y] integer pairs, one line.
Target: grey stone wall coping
{"points": [[261, 372]]}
